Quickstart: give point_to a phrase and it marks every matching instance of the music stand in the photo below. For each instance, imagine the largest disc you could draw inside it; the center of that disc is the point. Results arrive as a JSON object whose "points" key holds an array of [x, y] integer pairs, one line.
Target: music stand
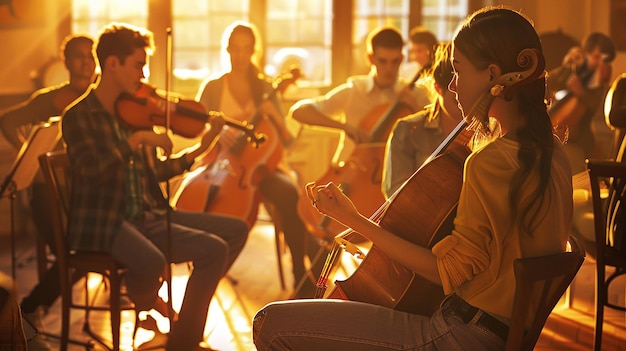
{"points": [[42, 138]]}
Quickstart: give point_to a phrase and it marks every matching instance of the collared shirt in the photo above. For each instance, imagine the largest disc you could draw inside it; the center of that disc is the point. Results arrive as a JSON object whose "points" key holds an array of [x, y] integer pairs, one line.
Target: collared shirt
{"points": [[98, 158], [412, 141], [360, 100]]}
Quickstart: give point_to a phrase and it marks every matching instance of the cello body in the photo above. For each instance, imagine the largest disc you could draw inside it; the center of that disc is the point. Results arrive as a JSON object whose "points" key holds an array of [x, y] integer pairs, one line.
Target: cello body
{"points": [[422, 211], [362, 171], [227, 181], [382, 281]]}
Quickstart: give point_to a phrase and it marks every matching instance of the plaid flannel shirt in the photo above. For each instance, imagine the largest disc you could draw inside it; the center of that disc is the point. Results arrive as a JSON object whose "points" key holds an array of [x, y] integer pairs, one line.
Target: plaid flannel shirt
{"points": [[99, 158]]}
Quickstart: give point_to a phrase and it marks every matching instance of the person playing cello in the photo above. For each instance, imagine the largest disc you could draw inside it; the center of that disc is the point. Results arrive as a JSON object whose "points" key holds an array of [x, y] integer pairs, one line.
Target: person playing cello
{"points": [[578, 88], [349, 106], [242, 94], [414, 137], [515, 201]]}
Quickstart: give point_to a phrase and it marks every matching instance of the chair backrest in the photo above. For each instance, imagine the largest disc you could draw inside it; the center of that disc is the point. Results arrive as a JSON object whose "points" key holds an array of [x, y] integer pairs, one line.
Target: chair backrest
{"points": [[608, 193], [55, 167], [615, 115], [542, 279]]}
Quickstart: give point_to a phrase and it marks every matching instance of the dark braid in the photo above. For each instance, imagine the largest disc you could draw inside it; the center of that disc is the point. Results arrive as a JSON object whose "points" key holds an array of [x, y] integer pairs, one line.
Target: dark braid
{"points": [[486, 39], [536, 149]]}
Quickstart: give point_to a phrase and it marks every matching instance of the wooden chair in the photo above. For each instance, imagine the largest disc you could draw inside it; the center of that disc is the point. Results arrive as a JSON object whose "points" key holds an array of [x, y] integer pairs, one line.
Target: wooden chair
{"points": [[615, 115], [546, 278], [56, 170], [610, 232]]}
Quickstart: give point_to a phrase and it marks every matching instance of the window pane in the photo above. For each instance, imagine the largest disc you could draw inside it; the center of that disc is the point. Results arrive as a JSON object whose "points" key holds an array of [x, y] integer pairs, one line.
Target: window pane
{"points": [[198, 26], [369, 14], [442, 18], [298, 33], [91, 16]]}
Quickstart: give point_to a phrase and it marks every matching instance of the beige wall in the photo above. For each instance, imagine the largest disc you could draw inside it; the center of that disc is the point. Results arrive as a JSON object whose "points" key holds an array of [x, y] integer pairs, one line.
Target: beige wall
{"points": [[573, 17], [28, 46]]}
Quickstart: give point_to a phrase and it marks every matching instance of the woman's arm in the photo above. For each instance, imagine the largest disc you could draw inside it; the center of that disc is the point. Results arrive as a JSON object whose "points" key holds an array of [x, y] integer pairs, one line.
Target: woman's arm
{"points": [[329, 200]]}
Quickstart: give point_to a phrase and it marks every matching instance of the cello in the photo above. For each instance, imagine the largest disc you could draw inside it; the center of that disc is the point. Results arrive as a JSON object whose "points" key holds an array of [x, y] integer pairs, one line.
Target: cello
{"points": [[382, 281], [362, 170], [226, 183]]}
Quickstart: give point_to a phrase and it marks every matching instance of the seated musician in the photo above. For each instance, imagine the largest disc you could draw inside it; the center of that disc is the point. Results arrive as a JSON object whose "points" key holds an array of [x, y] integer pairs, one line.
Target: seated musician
{"points": [[117, 206], [414, 137], [421, 53], [15, 124], [354, 107], [243, 94], [578, 88], [515, 201]]}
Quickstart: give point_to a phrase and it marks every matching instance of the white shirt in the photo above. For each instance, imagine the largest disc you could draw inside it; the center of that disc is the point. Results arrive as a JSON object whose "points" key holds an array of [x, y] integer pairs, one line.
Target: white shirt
{"points": [[358, 101]]}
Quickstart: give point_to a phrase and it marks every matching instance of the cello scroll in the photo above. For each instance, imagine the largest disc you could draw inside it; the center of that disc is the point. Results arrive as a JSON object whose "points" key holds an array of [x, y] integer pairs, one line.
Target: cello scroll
{"points": [[506, 85]]}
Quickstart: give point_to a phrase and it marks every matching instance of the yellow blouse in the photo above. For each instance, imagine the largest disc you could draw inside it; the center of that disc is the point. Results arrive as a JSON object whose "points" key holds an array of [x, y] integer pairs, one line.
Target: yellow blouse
{"points": [[476, 260]]}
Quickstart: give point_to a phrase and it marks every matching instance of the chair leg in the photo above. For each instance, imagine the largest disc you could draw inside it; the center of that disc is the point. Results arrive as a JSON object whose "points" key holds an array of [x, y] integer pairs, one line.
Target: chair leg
{"points": [[279, 243], [115, 310], [66, 297], [600, 301]]}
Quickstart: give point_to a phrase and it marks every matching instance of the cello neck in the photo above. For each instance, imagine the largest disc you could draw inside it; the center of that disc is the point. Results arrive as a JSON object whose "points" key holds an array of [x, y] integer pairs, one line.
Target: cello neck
{"points": [[280, 84], [384, 124]]}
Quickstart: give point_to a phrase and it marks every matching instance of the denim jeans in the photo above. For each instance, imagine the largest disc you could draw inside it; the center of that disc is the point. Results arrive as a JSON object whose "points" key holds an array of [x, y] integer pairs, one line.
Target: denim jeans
{"points": [[210, 242], [347, 325]]}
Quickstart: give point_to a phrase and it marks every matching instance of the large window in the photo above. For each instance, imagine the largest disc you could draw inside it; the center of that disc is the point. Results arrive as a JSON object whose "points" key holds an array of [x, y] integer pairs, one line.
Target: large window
{"points": [[91, 16], [294, 32], [369, 14], [197, 27], [443, 17], [299, 33]]}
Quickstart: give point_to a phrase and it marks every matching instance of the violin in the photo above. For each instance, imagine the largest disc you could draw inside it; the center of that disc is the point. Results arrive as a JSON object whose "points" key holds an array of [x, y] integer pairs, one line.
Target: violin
{"points": [[147, 108]]}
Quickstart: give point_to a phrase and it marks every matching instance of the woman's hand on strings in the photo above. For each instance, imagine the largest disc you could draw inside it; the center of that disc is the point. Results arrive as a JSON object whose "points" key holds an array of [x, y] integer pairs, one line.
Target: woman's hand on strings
{"points": [[211, 131], [331, 201], [217, 123], [269, 112]]}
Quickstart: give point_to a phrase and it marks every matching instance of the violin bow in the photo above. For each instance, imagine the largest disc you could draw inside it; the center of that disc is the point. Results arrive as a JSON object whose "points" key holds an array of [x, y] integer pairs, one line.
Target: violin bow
{"points": [[168, 217]]}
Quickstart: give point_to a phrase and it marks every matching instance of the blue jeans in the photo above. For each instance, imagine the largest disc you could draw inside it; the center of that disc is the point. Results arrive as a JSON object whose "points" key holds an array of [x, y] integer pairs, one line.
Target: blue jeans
{"points": [[347, 325], [210, 242]]}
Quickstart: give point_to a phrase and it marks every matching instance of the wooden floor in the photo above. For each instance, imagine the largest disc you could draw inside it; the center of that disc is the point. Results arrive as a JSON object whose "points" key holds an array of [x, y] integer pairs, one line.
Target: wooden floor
{"points": [[253, 282]]}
